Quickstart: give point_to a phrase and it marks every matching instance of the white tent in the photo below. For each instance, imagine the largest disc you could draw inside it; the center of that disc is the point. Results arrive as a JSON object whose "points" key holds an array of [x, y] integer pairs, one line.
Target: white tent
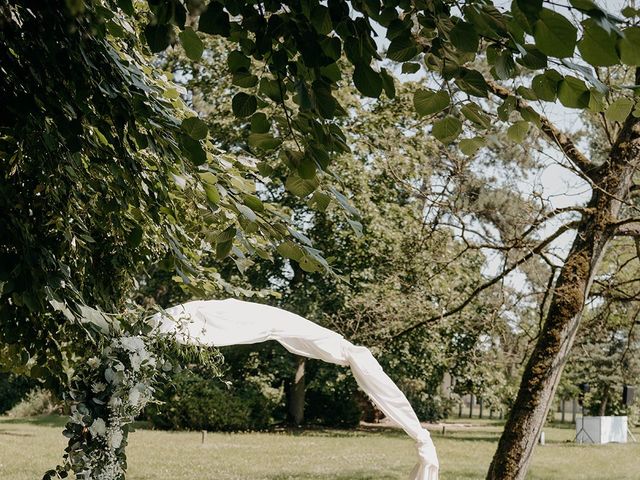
{"points": [[233, 322]]}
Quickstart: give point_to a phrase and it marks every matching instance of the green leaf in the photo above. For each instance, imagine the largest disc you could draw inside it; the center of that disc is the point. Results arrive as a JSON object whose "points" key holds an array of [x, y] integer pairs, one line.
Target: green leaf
{"points": [[474, 113], [126, 6], [410, 67], [226, 235], [428, 102], [473, 83], [263, 141], [300, 187], [289, 249], [307, 167], [223, 249], [464, 37], [253, 202], [192, 150], [212, 193], [319, 201], [159, 37], [585, 5], [505, 109], [191, 43], [555, 36], [531, 8], [308, 264], [259, 123], [367, 81], [195, 128], [388, 84], [243, 104], [531, 116], [518, 131], [447, 129], [505, 66], [619, 110], [470, 146], [533, 59], [214, 20], [321, 20], [402, 49], [545, 87], [238, 62], [526, 93], [573, 93], [244, 79], [135, 236], [598, 47], [629, 46], [596, 101], [271, 88]]}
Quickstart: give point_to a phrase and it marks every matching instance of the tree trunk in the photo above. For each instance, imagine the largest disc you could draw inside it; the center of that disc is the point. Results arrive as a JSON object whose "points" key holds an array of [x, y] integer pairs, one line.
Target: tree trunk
{"points": [[542, 373], [605, 401], [297, 392]]}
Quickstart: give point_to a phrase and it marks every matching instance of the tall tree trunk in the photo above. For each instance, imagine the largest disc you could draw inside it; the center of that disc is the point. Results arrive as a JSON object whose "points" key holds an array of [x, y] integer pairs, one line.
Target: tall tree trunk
{"points": [[542, 373], [297, 393], [605, 401]]}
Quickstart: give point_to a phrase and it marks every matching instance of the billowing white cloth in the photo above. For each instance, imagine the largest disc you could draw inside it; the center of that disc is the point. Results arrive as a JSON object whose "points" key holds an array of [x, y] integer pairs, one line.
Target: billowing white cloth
{"points": [[231, 322]]}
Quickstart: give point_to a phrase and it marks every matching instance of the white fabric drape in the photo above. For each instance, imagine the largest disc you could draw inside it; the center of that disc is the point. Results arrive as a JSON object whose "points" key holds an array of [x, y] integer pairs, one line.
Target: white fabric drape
{"points": [[232, 322]]}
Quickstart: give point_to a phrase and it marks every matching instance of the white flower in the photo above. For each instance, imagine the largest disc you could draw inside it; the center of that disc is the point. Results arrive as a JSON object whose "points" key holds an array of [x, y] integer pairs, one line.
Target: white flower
{"points": [[98, 428], [93, 362], [133, 344], [115, 402], [76, 416], [134, 397], [136, 361], [115, 438], [98, 387], [138, 393]]}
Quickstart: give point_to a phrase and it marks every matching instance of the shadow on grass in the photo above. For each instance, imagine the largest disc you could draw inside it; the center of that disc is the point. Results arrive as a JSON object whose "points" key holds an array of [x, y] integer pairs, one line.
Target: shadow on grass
{"points": [[332, 476], [43, 421], [469, 437]]}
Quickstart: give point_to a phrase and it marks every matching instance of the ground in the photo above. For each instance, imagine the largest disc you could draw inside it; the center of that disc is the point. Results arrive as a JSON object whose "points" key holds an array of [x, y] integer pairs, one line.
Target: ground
{"points": [[28, 448]]}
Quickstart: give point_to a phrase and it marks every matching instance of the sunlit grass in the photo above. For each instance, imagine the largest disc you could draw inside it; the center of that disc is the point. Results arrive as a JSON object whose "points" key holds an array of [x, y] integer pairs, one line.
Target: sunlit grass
{"points": [[27, 449]]}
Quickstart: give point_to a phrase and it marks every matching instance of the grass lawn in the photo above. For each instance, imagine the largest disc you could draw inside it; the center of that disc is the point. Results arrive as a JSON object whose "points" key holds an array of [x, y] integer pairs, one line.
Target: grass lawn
{"points": [[28, 448]]}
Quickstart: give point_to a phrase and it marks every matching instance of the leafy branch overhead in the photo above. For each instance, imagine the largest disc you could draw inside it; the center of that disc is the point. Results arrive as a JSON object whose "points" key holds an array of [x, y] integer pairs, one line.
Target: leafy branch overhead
{"points": [[292, 57], [289, 53]]}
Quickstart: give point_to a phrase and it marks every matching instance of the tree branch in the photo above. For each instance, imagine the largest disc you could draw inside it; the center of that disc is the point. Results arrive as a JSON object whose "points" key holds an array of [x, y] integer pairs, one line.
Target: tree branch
{"points": [[535, 251], [552, 132], [627, 228]]}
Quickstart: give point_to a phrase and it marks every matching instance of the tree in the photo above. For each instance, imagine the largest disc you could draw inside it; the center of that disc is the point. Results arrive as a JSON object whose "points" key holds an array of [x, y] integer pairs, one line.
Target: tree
{"points": [[105, 171], [302, 43]]}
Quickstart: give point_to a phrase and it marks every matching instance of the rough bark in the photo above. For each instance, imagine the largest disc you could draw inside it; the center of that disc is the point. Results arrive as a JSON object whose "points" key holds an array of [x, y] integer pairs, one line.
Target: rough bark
{"points": [[297, 393], [542, 373]]}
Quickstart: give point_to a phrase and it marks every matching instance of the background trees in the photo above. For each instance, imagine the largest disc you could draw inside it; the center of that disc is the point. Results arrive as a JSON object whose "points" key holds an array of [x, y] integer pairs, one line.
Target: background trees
{"points": [[530, 41]]}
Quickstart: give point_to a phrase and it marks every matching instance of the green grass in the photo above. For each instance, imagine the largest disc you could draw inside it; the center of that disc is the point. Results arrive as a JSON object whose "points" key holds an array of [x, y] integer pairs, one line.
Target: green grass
{"points": [[29, 447]]}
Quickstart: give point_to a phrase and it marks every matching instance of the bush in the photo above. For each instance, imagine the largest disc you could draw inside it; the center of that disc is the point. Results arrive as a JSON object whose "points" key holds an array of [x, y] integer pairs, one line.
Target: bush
{"points": [[37, 402], [332, 397], [196, 403], [13, 388]]}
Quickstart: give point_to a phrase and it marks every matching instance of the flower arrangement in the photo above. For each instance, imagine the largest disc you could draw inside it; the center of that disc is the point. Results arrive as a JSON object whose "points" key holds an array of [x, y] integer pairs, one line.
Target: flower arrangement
{"points": [[107, 393]]}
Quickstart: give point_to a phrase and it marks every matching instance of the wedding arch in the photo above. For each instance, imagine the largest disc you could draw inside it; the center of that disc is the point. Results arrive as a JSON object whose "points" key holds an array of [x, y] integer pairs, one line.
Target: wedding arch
{"points": [[233, 322]]}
